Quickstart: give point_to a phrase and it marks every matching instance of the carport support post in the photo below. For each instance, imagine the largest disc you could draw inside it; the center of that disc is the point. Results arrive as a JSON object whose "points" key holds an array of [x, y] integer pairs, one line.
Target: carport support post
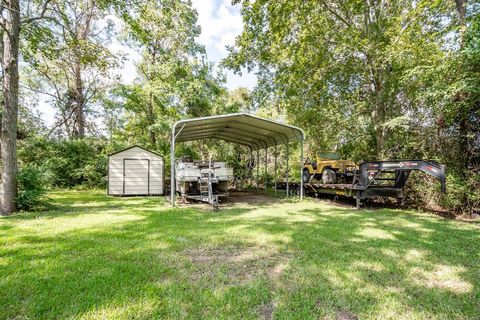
{"points": [[266, 162], [172, 168], [275, 168], [288, 187], [250, 172], [301, 169], [258, 167]]}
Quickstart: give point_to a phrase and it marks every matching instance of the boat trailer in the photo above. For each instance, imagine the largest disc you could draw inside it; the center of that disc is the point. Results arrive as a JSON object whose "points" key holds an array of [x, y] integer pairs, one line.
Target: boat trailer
{"points": [[204, 181]]}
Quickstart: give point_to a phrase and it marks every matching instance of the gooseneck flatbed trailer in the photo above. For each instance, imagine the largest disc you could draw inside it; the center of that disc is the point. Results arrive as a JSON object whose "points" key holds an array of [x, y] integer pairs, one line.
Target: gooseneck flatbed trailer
{"points": [[385, 179]]}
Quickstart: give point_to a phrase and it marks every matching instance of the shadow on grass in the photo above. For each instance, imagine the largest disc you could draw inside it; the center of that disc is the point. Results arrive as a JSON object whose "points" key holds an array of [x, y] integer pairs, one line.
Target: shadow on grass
{"points": [[147, 260], [73, 203], [385, 262]]}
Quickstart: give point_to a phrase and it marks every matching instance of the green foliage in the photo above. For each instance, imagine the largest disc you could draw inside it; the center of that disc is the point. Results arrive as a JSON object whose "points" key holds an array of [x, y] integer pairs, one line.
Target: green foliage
{"points": [[68, 163], [31, 189], [237, 100], [368, 79], [372, 80], [268, 177], [463, 192], [68, 61], [336, 69], [174, 82]]}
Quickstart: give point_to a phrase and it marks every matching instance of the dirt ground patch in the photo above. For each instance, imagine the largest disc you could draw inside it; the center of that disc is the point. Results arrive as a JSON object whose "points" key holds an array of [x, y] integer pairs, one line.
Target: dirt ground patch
{"points": [[249, 198], [345, 315], [234, 198], [239, 264], [266, 311]]}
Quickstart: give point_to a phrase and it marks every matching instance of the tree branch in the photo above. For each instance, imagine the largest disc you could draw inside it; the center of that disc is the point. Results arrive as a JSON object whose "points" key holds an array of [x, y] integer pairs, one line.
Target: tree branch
{"points": [[61, 123], [336, 14], [42, 92], [42, 14], [8, 8]]}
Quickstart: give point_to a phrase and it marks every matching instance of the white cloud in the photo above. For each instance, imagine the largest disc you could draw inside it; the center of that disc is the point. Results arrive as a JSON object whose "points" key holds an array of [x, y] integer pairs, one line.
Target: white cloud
{"points": [[127, 69], [221, 23]]}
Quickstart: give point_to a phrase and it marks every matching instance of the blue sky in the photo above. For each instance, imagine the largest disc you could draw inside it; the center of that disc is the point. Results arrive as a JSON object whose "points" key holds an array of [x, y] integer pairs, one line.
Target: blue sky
{"points": [[220, 23]]}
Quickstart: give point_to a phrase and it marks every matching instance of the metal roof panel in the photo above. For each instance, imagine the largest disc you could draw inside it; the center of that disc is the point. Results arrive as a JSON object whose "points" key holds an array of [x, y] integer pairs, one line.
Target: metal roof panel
{"points": [[251, 130]]}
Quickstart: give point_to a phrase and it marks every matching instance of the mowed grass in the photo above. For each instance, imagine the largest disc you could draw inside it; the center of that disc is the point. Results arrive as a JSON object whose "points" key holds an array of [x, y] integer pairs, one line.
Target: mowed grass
{"points": [[94, 257]]}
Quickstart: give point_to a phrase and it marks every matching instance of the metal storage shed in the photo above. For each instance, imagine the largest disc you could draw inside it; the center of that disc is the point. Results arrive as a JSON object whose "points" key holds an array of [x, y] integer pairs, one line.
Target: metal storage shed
{"points": [[251, 131], [135, 171]]}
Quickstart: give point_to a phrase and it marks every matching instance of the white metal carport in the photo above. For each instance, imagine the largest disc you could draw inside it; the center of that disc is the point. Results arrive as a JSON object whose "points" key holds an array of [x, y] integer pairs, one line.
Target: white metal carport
{"points": [[251, 131]]}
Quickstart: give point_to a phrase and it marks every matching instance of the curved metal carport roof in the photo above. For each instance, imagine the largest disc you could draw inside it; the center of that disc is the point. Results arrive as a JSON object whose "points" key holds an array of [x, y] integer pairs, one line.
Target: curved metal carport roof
{"points": [[240, 128]]}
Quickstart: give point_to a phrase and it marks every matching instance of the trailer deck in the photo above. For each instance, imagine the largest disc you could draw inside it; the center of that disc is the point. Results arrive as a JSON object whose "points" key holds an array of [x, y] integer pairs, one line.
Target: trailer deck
{"points": [[384, 179]]}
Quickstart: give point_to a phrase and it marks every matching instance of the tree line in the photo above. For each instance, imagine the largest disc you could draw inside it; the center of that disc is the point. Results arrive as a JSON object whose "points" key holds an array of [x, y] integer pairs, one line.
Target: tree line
{"points": [[371, 79]]}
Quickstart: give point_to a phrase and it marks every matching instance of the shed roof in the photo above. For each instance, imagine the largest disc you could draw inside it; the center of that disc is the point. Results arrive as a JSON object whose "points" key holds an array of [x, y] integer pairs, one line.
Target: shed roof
{"points": [[135, 146], [240, 128]]}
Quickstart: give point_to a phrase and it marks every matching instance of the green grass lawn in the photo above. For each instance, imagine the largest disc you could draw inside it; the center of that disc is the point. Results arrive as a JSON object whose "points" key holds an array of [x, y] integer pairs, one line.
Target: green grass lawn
{"points": [[93, 256]]}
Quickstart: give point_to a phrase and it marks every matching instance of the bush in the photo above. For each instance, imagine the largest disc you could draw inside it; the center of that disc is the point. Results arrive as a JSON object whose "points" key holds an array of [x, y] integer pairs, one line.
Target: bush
{"points": [[77, 163], [463, 193], [31, 193], [423, 190]]}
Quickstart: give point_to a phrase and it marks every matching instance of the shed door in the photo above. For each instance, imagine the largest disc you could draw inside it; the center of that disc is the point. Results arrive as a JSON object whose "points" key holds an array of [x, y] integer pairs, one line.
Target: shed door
{"points": [[136, 178]]}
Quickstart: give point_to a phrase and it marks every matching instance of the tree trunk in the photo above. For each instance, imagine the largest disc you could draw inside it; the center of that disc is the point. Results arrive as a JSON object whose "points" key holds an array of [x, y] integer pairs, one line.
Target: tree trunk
{"points": [[79, 102], [464, 142], [380, 134], [379, 116], [152, 121], [461, 10], [8, 134], [152, 138]]}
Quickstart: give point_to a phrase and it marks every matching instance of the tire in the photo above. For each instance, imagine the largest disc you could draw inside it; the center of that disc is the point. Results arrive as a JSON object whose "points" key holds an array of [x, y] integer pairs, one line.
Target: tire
{"points": [[306, 176], [329, 176]]}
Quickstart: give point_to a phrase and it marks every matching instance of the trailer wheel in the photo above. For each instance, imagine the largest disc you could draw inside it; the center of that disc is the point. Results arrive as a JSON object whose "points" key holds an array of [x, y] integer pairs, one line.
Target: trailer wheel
{"points": [[306, 176], [329, 176]]}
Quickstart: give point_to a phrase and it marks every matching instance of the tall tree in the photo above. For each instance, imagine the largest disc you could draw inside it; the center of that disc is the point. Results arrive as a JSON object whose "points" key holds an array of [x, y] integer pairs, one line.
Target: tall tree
{"points": [[10, 22], [336, 64], [236, 100], [74, 67], [174, 78], [467, 97]]}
